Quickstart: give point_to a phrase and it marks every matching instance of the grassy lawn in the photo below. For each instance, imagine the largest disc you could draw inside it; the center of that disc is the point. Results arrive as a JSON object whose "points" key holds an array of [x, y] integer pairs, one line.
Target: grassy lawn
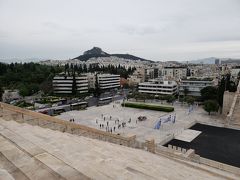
{"points": [[148, 106]]}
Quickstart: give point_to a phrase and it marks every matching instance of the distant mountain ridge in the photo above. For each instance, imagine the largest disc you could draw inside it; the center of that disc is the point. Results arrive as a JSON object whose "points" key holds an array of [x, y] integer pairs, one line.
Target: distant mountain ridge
{"points": [[97, 52], [211, 60]]}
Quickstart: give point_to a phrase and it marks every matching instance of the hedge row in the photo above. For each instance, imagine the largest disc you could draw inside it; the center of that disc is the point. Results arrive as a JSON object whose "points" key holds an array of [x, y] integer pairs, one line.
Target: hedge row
{"points": [[148, 106]]}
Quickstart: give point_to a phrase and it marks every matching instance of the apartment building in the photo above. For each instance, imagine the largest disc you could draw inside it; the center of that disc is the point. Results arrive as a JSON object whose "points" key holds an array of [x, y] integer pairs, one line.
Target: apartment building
{"points": [[138, 76], [108, 81], [63, 84], [134, 80], [153, 73], [158, 87], [82, 84], [174, 72], [193, 86], [235, 71]]}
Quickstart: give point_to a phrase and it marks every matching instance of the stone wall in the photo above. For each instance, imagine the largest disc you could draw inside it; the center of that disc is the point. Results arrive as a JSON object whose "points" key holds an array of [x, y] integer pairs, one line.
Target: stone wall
{"points": [[219, 165], [234, 109], [227, 102]]}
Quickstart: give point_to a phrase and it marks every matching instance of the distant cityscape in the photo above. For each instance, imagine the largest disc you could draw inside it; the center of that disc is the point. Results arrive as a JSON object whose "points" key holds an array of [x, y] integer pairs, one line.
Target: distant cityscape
{"points": [[187, 113]]}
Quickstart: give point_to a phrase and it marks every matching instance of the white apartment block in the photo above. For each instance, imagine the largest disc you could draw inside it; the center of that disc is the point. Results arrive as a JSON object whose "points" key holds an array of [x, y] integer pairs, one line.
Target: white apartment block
{"points": [[108, 81], [63, 84], [158, 87], [193, 86], [82, 84]]}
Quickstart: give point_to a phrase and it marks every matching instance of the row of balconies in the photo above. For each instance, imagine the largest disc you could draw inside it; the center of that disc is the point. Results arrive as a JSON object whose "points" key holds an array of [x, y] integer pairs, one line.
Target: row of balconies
{"points": [[106, 78], [158, 92], [153, 86], [157, 89], [108, 87], [106, 82]]}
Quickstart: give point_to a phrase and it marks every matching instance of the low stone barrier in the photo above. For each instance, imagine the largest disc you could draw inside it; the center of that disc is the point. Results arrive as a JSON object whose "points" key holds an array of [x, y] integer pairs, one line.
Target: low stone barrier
{"points": [[167, 139], [219, 165], [9, 112]]}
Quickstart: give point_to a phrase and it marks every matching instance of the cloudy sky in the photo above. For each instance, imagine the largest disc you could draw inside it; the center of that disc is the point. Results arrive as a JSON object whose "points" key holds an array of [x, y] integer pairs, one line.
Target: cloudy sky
{"points": [[152, 29]]}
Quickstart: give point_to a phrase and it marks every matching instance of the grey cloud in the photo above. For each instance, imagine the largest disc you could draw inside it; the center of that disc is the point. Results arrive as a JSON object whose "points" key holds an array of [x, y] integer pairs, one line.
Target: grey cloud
{"points": [[139, 30], [154, 29]]}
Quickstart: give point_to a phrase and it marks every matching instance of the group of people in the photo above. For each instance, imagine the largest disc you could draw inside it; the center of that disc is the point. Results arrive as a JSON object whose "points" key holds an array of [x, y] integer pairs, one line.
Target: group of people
{"points": [[117, 123], [72, 120]]}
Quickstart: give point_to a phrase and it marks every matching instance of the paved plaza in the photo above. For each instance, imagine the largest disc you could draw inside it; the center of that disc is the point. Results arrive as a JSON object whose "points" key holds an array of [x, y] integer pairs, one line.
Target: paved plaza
{"points": [[113, 117]]}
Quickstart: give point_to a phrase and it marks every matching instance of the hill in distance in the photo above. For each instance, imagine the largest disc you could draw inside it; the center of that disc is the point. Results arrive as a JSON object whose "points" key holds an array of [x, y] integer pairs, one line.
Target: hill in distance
{"points": [[211, 60], [96, 52]]}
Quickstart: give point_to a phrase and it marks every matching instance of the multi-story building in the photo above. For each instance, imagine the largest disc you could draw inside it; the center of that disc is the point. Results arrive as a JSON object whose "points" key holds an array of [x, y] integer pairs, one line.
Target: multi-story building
{"points": [[63, 84], [91, 80], [235, 71], [193, 86], [138, 76], [108, 81], [134, 80], [158, 87], [174, 72], [141, 73], [153, 73], [82, 84]]}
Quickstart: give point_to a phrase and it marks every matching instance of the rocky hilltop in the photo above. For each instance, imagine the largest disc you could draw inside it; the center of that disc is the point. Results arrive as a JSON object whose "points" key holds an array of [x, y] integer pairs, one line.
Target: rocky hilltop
{"points": [[97, 52]]}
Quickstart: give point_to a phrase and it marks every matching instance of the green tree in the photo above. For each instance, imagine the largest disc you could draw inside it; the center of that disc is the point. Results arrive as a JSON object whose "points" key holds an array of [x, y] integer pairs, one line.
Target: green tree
{"points": [[238, 75], [208, 92], [74, 85], [185, 91], [210, 106], [189, 99], [1, 92], [220, 92], [170, 98], [23, 90]]}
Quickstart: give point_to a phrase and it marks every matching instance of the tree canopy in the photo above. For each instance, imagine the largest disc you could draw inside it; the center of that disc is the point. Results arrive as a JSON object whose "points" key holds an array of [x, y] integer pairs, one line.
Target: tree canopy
{"points": [[209, 92], [210, 106], [27, 77]]}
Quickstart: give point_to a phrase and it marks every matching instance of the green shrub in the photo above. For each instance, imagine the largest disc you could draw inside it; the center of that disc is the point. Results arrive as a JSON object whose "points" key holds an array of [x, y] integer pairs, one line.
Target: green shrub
{"points": [[149, 106]]}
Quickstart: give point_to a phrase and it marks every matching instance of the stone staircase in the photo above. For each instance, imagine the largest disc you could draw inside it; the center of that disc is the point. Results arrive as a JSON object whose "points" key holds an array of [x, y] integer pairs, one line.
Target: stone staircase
{"points": [[21, 159], [32, 152]]}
